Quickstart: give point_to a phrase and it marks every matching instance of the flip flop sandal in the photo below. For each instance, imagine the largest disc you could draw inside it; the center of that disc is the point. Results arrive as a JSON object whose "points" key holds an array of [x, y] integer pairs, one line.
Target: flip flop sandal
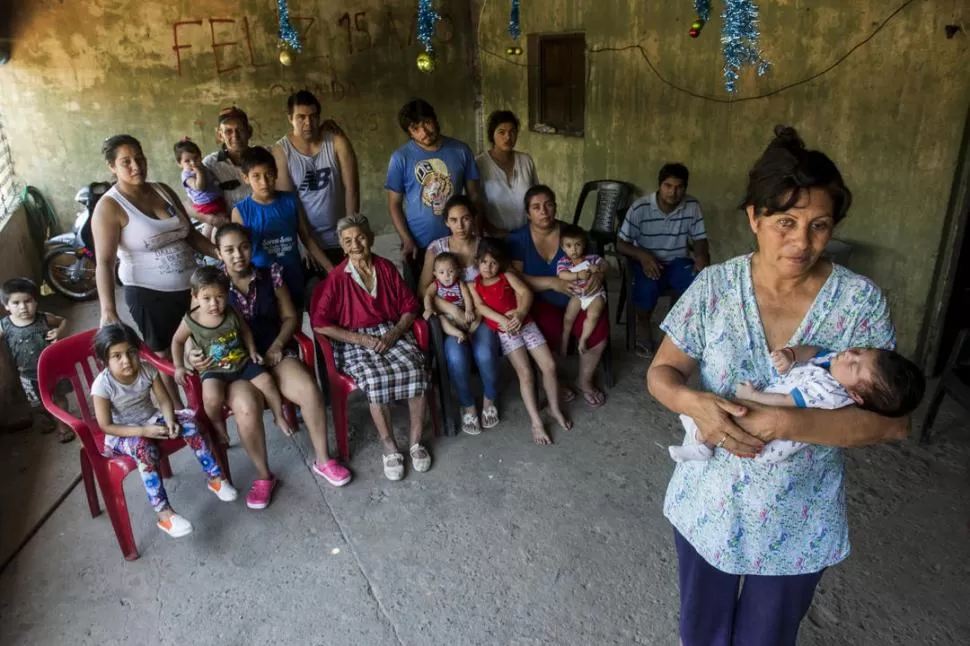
{"points": [[568, 395], [644, 351], [590, 397], [469, 424], [489, 417]]}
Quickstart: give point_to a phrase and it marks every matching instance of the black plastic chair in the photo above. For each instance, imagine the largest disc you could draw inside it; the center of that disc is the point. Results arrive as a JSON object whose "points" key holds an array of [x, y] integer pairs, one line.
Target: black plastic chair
{"points": [[612, 200], [955, 382]]}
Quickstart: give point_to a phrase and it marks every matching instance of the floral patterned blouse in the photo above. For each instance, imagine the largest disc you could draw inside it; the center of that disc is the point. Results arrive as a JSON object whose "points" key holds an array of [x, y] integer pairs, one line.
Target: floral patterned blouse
{"points": [[746, 516]]}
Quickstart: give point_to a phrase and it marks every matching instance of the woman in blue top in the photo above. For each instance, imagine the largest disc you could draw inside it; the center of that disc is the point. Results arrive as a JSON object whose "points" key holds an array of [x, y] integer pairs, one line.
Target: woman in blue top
{"points": [[277, 221], [536, 250], [777, 525]]}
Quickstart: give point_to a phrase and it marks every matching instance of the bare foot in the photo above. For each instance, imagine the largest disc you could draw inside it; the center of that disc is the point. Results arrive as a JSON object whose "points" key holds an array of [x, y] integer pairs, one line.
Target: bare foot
{"points": [[539, 435], [564, 422], [280, 421]]}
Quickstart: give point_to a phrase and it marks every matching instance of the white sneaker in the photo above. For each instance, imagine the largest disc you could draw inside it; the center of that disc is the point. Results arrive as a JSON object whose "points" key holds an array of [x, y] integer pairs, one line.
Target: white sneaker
{"points": [[225, 491], [175, 526]]}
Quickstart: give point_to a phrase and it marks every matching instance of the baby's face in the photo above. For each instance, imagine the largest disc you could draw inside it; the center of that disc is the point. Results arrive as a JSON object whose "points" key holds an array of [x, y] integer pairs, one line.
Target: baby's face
{"points": [[445, 273], [855, 368], [189, 161]]}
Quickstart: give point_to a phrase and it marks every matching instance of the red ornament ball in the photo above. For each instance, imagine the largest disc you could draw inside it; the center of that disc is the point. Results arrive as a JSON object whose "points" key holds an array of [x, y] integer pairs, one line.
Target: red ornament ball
{"points": [[694, 33]]}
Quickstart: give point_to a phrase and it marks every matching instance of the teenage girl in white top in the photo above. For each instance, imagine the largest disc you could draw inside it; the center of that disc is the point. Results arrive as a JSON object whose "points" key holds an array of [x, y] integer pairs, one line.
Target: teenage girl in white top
{"points": [[144, 226], [506, 174]]}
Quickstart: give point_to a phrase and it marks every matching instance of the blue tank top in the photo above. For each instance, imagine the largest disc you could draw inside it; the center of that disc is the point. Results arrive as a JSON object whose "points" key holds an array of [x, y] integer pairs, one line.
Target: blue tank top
{"points": [[275, 229]]}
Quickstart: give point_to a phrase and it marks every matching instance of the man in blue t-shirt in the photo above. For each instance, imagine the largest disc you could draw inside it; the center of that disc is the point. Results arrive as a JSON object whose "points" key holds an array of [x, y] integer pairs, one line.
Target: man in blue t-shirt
{"points": [[422, 175]]}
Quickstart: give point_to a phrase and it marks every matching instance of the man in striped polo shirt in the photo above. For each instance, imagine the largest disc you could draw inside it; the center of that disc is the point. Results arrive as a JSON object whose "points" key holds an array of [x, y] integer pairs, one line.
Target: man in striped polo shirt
{"points": [[655, 236]]}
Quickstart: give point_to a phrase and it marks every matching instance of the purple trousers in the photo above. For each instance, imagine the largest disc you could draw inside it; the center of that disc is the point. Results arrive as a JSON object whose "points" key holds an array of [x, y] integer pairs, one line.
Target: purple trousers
{"points": [[713, 612]]}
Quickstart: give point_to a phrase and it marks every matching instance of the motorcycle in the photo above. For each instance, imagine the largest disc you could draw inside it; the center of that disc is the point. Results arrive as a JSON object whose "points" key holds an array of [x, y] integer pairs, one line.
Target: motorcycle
{"points": [[69, 264]]}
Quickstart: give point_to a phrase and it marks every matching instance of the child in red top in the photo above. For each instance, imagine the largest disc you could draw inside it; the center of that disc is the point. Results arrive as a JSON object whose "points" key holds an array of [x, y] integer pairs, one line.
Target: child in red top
{"points": [[504, 300]]}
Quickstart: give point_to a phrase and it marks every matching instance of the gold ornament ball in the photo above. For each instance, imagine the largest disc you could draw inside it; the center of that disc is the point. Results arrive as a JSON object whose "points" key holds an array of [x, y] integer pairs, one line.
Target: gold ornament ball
{"points": [[518, 51], [510, 51], [426, 62], [697, 24], [285, 57]]}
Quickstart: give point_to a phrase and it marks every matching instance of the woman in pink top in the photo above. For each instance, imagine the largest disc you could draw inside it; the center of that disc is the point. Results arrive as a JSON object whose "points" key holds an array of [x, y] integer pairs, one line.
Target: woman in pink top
{"points": [[143, 225]]}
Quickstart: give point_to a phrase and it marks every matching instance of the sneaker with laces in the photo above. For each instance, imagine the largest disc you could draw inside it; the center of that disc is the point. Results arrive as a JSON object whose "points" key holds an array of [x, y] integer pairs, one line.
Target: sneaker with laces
{"points": [[223, 490], [261, 493], [175, 526], [333, 472]]}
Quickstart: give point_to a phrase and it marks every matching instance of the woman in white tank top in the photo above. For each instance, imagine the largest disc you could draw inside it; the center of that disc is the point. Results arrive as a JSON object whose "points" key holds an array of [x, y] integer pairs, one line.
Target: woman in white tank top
{"points": [[144, 226]]}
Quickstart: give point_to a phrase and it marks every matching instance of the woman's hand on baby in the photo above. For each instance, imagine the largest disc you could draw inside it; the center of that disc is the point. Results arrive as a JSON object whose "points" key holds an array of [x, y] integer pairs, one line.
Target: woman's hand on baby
{"points": [[745, 390], [782, 359], [714, 417], [52, 335], [181, 376], [584, 274], [593, 285], [470, 317]]}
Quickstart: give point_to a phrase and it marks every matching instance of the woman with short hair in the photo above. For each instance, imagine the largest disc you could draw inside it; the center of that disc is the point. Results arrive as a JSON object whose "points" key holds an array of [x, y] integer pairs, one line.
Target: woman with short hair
{"points": [[367, 310]]}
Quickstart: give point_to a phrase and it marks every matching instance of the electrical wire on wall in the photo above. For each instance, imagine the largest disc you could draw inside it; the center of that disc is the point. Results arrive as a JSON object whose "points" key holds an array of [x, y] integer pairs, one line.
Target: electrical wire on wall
{"points": [[653, 68]]}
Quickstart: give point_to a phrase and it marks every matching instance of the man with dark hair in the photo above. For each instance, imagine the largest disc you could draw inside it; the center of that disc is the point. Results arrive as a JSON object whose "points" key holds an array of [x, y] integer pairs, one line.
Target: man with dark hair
{"points": [[320, 165], [422, 175], [655, 236]]}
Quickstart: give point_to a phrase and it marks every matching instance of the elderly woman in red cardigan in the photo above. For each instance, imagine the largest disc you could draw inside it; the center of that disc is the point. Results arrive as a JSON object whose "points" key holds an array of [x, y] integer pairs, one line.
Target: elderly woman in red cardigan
{"points": [[367, 310]]}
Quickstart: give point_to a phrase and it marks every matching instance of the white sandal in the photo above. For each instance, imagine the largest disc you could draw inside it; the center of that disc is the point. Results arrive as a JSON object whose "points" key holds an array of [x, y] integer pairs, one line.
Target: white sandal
{"points": [[394, 466], [420, 464], [489, 416], [469, 424]]}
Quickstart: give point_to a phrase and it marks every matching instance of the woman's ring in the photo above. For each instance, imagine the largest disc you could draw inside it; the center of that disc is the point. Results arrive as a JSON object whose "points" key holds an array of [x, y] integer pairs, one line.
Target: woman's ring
{"points": [[721, 443]]}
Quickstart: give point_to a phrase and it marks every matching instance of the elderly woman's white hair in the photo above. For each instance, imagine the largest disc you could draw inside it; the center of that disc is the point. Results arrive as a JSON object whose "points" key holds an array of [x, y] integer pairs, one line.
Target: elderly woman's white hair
{"points": [[355, 221]]}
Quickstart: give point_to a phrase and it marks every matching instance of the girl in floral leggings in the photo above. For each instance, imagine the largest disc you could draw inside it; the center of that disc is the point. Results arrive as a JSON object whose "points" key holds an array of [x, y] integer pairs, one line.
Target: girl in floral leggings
{"points": [[132, 424]]}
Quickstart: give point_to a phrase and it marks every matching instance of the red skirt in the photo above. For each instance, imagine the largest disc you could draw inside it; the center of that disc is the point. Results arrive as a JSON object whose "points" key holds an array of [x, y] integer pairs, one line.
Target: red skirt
{"points": [[549, 319]]}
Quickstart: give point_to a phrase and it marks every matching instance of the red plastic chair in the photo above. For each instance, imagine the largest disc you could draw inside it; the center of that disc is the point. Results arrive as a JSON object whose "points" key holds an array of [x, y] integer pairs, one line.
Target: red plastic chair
{"points": [[307, 356], [341, 384], [61, 361]]}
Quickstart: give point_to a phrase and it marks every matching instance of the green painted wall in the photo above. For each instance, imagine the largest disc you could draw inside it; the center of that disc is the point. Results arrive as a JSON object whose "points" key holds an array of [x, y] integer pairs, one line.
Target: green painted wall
{"points": [[891, 115], [81, 71]]}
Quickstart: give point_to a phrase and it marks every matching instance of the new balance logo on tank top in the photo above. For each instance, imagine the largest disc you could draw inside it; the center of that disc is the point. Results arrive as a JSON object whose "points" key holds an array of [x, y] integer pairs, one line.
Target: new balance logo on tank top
{"points": [[317, 180]]}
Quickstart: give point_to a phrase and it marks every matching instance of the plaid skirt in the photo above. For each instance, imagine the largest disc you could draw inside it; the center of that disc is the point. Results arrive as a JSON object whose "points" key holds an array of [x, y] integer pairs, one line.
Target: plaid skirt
{"points": [[399, 373]]}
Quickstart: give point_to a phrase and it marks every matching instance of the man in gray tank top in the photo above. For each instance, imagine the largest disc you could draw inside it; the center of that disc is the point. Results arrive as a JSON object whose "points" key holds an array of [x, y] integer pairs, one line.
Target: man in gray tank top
{"points": [[321, 166]]}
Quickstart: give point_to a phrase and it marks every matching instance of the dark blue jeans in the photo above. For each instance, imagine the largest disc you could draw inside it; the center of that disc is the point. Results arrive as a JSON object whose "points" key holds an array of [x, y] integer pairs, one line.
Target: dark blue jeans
{"points": [[487, 352], [767, 611]]}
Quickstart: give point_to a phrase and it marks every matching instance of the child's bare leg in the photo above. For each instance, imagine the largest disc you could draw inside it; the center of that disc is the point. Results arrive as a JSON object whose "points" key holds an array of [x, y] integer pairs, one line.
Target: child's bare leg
{"points": [[64, 432], [265, 384], [519, 359], [451, 329], [593, 313], [213, 399], [542, 355], [568, 320]]}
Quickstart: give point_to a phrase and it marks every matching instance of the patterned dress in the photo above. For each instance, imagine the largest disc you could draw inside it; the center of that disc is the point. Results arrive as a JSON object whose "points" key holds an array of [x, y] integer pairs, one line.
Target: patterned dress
{"points": [[749, 517]]}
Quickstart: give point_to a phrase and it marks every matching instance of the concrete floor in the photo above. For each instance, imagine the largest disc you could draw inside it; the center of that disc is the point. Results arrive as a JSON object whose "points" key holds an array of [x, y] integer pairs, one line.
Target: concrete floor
{"points": [[502, 542]]}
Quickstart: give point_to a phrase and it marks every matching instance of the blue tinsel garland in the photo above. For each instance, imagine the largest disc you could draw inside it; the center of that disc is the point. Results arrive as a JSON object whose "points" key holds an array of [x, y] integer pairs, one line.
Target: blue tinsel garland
{"points": [[703, 9], [427, 19], [740, 40], [515, 29], [287, 34]]}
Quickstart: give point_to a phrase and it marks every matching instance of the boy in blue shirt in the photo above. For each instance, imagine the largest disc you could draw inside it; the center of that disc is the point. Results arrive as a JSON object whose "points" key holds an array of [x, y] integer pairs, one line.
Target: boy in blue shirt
{"points": [[421, 176]]}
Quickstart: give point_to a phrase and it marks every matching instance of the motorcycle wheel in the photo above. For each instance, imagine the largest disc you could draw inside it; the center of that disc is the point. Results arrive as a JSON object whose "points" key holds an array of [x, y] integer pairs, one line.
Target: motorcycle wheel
{"points": [[70, 275]]}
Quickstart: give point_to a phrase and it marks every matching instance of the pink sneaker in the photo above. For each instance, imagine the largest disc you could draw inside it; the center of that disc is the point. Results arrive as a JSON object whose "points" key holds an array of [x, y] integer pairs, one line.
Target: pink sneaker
{"points": [[261, 493], [333, 472]]}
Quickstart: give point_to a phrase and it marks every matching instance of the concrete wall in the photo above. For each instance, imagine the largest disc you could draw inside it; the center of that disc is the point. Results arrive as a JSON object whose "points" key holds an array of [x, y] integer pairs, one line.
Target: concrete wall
{"points": [[81, 71], [891, 115]]}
